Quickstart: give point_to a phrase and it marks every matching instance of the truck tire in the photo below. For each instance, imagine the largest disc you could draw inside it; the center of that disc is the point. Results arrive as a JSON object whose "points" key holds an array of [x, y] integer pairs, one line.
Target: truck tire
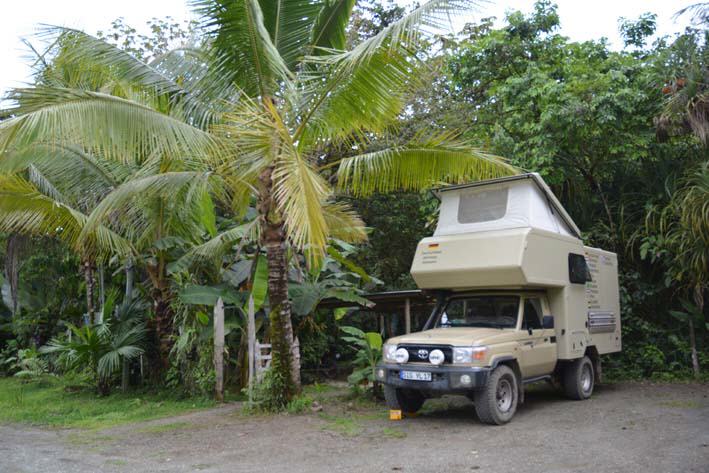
{"points": [[578, 379], [496, 403], [405, 400]]}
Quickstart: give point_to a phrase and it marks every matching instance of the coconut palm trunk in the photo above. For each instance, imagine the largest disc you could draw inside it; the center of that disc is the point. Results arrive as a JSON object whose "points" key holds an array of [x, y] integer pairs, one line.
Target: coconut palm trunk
{"points": [[273, 232], [162, 323]]}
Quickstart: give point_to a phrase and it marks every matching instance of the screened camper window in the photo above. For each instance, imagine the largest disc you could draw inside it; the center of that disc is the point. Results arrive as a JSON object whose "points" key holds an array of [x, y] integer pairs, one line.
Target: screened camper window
{"points": [[485, 206]]}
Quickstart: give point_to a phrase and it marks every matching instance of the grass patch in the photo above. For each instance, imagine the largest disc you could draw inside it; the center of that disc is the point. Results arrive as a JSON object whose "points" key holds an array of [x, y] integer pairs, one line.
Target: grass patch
{"points": [[156, 429], [393, 433], [345, 425], [48, 403], [318, 388]]}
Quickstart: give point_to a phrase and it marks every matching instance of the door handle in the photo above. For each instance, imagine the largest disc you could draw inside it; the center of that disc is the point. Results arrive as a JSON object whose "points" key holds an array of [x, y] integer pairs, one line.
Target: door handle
{"points": [[528, 343]]}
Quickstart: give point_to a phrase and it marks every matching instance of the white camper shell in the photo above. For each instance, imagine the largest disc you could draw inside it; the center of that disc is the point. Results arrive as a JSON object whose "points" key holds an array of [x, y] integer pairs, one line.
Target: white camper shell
{"points": [[513, 234]]}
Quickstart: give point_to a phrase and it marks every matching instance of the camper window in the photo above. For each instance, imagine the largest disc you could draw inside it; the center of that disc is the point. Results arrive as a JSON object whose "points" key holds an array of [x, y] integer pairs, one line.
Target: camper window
{"points": [[480, 311], [579, 273], [476, 207]]}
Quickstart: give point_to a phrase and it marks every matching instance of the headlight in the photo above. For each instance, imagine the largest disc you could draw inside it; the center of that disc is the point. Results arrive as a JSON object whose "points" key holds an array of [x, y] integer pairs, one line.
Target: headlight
{"points": [[436, 357], [389, 353], [469, 354], [401, 355]]}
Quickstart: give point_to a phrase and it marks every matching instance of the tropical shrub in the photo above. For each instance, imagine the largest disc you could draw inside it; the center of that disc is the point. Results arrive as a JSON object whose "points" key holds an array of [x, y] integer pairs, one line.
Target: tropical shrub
{"points": [[99, 347], [368, 346]]}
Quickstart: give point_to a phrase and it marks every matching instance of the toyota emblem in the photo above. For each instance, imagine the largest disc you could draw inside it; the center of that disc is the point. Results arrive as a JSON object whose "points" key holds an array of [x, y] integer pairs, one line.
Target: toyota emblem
{"points": [[423, 354]]}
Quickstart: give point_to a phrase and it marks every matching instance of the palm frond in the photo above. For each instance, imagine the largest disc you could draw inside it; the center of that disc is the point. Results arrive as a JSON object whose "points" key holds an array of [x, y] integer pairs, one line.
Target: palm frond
{"points": [[421, 164], [44, 185], [344, 223], [431, 17], [182, 76], [350, 101], [110, 126], [134, 200], [71, 170], [216, 247], [365, 88], [290, 25], [23, 209], [300, 193], [239, 35], [329, 30], [78, 47]]}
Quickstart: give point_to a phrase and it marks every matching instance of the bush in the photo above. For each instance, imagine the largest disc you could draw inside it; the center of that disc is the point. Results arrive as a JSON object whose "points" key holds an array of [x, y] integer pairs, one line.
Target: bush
{"points": [[269, 393]]}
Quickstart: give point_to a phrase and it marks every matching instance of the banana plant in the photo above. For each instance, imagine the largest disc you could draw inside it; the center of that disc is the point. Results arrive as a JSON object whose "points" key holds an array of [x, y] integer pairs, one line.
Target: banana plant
{"points": [[368, 346]]}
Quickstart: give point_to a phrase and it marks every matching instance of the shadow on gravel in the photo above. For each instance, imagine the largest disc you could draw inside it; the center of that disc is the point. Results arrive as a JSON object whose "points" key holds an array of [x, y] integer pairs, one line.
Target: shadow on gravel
{"points": [[459, 409]]}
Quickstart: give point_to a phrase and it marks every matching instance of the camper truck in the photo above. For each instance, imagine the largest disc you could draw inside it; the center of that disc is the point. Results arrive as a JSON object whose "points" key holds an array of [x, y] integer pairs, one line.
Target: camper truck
{"points": [[520, 299]]}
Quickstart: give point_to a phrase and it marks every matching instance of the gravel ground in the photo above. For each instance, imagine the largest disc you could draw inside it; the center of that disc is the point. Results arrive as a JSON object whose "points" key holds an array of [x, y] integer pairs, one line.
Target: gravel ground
{"points": [[627, 427]]}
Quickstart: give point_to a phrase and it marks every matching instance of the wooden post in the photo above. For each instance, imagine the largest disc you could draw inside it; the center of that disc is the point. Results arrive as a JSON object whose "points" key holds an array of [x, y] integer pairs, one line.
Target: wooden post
{"points": [[251, 333], [219, 349], [407, 315]]}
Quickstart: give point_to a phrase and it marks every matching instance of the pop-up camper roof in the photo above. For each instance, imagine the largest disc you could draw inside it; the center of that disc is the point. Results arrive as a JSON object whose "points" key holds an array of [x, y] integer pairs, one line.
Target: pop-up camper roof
{"points": [[497, 204]]}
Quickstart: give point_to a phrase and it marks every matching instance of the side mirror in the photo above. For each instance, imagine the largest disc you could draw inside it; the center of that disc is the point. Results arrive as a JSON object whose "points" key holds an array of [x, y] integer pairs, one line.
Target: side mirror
{"points": [[548, 321]]}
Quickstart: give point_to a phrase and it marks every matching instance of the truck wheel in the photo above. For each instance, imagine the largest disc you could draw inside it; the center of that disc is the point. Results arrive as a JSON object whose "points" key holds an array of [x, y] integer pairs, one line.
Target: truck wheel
{"points": [[405, 400], [496, 403], [578, 379]]}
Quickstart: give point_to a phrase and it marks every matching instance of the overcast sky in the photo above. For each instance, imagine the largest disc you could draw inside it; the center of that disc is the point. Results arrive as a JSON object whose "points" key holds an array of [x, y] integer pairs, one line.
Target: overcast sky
{"points": [[580, 20]]}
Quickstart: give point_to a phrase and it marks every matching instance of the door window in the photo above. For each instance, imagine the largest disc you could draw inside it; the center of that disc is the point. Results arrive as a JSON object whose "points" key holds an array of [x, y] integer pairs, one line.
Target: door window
{"points": [[532, 314]]}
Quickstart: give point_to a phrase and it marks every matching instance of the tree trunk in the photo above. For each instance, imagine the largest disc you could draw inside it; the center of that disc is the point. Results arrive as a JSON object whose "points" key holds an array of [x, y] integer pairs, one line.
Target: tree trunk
{"points": [[125, 371], [88, 270], [699, 302], [15, 244], [101, 294], [285, 359], [129, 280], [163, 320]]}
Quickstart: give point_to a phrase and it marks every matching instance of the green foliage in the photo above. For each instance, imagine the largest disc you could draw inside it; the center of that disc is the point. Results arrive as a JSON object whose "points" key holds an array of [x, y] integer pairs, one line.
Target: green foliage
{"points": [[299, 404], [100, 347], [272, 393], [368, 348], [635, 33], [29, 365]]}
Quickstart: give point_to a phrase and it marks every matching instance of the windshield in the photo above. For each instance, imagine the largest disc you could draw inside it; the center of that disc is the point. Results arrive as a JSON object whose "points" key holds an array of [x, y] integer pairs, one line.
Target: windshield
{"points": [[480, 311]]}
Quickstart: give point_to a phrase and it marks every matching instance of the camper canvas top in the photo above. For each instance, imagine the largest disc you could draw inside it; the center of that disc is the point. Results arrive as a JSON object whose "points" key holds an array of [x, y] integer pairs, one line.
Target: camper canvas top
{"points": [[505, 203]]}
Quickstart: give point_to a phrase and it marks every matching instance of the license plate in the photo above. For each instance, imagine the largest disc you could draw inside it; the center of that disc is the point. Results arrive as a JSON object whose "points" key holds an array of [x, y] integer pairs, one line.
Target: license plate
{"points": [[415, 375]]}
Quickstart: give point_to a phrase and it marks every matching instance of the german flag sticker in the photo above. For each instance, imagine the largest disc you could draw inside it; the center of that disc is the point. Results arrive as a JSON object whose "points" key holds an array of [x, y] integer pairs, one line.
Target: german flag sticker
{"points": [[433, 245]]}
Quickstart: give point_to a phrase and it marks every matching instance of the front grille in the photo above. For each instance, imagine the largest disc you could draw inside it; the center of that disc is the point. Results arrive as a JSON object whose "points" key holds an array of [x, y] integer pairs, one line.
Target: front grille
{"points": [[415, 354]]}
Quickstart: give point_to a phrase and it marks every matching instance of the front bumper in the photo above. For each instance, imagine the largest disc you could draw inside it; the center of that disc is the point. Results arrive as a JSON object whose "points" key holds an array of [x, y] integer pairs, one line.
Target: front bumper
{"points": [[443, 378]]}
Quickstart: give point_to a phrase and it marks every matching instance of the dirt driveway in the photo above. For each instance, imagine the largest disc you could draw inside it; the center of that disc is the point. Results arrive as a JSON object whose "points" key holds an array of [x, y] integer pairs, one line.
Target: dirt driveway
{"points": [[623, 428]]}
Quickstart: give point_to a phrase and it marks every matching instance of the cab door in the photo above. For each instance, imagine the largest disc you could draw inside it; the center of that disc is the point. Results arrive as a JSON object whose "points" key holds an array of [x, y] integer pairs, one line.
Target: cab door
{"points": [[537, 344]]}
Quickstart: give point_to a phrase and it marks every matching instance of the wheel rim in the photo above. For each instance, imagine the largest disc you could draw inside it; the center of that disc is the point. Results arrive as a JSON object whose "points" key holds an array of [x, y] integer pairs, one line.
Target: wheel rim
{"points": [[586, 378], [504, 395]]}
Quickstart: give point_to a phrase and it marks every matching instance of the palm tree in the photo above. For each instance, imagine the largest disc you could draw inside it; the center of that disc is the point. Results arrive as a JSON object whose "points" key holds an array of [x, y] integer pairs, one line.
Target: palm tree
{"points": [[279, 92], [53, 184]]}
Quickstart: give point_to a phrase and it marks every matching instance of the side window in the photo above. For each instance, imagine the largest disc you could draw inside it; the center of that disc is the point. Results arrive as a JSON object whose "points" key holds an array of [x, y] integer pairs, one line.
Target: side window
{"points": [[482, 206], [532, 314], [578, 269]]}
